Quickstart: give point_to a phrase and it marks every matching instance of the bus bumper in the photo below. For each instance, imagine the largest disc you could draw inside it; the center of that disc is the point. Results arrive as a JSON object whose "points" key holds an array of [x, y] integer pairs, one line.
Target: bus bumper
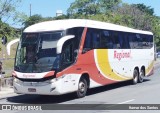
{"points": [[52, 87]]}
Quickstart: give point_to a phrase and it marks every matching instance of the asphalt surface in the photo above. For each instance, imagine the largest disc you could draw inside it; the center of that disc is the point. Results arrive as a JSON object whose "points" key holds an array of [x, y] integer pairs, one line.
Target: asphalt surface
{"points": [[147, 92]]}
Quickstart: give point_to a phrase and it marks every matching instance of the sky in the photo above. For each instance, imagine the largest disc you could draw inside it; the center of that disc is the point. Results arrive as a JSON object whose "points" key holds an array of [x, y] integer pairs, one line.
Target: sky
{"points": [[48, 8]]}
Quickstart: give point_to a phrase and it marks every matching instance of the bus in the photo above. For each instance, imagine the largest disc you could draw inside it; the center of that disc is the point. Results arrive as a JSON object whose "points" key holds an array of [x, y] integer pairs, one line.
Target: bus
{"points": [[73, 55]]}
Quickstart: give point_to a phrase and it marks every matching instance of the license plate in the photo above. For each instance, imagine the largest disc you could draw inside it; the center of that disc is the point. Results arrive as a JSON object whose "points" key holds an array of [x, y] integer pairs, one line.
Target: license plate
{"points": [[31, 89]]}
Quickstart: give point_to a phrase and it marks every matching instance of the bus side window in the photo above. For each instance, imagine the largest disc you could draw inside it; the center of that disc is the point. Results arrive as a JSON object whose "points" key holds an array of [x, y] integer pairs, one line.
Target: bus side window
{"points": [[96, 39], [116, 44], [77, 32], [88, 45], [106, 40], [133, 40], [123, 40], [67, 57], [150, 41], [120, 39], [126, 41], [139, 41], [147, 41]]}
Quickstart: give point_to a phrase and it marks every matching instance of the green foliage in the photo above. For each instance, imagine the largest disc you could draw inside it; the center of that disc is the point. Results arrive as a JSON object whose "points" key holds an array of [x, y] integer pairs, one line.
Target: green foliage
{"points": [[32, 20], [144, 8], [8, 10], [92, 7], [38, 18], [60, 17], [135, 18], [6, 30], [109, 5], [84, 7]]}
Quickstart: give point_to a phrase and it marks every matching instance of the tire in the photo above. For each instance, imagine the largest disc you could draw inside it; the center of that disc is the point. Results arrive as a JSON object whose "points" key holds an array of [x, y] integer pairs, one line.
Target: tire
{"points": [[135, 77], [82, 88], [141, 76]]}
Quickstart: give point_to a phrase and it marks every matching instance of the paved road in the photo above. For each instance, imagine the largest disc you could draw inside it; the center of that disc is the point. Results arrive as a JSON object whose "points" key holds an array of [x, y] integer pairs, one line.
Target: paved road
{"points": [[147, 92]]}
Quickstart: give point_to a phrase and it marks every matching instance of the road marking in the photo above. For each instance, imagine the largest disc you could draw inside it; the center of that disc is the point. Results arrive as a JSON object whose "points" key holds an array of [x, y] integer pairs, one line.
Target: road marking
{"points": [[126, 101]]}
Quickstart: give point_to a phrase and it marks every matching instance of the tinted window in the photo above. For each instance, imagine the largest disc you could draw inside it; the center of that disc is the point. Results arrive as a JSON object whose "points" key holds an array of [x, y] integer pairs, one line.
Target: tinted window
{"points": [[107, 39], [67, 57], [88, 40], [147, 41], [140, 41], [77, 32], [115, 39]]}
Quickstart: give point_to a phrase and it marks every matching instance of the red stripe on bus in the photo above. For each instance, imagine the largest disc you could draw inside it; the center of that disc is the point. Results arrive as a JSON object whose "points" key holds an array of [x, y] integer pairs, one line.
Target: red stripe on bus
{"points": [[14, 74], [51, 73]]}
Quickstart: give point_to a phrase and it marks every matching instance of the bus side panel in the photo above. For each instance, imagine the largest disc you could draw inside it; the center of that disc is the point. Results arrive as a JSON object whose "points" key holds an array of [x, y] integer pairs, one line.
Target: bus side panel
{"points": [[125, 65], [105, 65]]}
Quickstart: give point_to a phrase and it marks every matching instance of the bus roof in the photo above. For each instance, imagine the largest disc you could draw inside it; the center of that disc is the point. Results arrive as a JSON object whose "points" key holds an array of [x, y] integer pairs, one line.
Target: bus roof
{"points": [[56, 25]]}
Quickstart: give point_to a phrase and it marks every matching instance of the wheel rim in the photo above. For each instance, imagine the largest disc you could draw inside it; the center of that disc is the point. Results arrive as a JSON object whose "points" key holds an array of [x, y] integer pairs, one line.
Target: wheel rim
{"points": [[82, 87], [141, 76], [135, 77]]}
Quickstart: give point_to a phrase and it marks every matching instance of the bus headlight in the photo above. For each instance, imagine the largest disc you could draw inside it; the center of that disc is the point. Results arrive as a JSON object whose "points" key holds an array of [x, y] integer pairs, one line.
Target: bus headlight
{"points": [[57, 79], [17, 81]]}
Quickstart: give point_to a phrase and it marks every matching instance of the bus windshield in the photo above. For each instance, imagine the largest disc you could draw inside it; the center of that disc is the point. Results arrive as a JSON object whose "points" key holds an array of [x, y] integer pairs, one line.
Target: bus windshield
{"points": [[36, 52]]}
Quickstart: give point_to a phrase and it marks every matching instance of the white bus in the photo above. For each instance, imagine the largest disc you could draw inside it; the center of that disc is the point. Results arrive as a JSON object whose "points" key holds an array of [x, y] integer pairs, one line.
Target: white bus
{"points": [[63, 56]]}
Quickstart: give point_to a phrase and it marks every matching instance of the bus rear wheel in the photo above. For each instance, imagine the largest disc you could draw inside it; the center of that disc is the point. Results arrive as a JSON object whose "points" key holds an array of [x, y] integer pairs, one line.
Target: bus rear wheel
{"points": [[135, 76], [141, 76], [82, 88]]}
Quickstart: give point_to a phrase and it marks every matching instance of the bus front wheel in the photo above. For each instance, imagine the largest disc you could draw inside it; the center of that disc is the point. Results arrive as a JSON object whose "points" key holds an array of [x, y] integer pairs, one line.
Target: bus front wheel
{"points": [[82, 88]]}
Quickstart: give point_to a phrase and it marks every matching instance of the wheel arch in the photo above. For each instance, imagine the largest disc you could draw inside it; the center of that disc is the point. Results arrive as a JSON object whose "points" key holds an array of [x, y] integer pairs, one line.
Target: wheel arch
{"points": [[144, 69], [86, 76], [137, 68]]}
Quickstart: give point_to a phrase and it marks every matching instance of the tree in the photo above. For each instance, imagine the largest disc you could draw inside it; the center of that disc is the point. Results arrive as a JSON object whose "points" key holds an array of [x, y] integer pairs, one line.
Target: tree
{"points": [[8, 9], [6, 30], [86, 8], [38, 18], [155, 30], [135, 18], [109, 5], [144, 8], [32, 20], [60, 17]]}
